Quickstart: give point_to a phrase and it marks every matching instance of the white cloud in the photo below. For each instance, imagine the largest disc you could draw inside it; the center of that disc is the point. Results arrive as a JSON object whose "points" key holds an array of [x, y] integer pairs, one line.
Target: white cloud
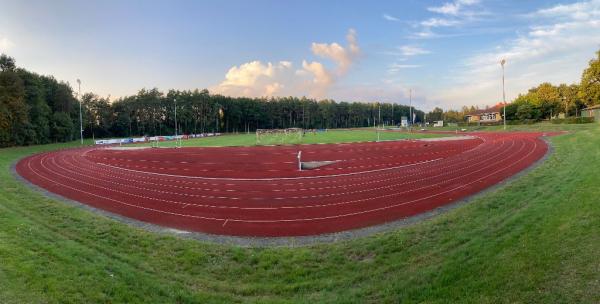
{"points": [[282, 79], [340, 55], [452, 8], [255, 78], [396, 67], [556, 51], [5, 44], [446, 9], [411, 50], [406, 66], [390, 17], [454, 13], [439, 22], [576, 11], [322, 76], [423, 34]]}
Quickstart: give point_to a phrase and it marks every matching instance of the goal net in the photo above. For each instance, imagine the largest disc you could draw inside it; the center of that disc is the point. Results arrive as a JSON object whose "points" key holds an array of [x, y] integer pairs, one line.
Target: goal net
{"points": [[279, 136]]}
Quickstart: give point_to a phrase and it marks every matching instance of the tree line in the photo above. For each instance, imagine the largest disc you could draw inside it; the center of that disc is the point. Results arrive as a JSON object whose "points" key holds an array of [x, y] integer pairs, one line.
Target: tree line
{"points": [[37, 109], [34, 109], [545, 101]]}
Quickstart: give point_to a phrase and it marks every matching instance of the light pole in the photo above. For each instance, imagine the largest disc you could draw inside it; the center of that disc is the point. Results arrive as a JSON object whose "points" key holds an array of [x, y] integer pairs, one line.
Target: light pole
{"points": [[379, 115], [502, 63], [393, 114], [80, 116], [378, 121], [410, 110], [175, 100]]}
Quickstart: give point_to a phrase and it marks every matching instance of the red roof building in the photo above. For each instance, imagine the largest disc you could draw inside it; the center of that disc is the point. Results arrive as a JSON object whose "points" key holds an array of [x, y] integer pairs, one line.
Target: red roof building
{"points": [[488, 115]]}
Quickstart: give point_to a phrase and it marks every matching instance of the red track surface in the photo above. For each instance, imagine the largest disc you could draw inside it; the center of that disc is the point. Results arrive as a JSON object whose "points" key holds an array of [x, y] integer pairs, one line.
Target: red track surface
{"points": [[258, 191]]}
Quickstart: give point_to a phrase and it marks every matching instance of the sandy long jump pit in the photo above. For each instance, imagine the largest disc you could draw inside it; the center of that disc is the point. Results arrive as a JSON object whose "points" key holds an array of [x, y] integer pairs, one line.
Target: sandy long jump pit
{"points": [[259, 191]]}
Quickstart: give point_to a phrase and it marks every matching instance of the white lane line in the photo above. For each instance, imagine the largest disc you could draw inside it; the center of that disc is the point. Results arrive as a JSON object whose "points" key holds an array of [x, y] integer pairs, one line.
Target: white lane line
{"points": [[491, 152], [315, 182], [289, 220], [304, 197], [272, 178], [301, 206]]}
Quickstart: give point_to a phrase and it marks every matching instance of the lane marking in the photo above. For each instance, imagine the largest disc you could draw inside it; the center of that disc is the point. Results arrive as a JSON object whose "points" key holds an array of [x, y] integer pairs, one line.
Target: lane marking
{"points": [[271, 178]]}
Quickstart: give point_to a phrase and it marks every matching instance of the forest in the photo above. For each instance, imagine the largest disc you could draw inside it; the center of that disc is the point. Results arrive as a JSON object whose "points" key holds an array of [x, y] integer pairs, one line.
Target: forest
{"points": [[38, 109]]}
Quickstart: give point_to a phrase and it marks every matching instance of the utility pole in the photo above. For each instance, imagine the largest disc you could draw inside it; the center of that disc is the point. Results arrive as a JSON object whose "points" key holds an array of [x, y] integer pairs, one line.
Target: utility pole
{"points": [[502, 63], [80, 116]]}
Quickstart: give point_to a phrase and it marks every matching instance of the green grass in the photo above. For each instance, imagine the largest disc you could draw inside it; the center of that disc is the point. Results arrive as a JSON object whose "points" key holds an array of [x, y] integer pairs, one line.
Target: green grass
{"points": [[331, 136], [534, 240], [542, 126]]}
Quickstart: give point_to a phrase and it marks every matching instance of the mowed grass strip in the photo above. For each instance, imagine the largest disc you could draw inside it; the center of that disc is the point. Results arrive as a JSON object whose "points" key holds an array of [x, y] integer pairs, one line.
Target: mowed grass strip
{"points": [[534, 240]]}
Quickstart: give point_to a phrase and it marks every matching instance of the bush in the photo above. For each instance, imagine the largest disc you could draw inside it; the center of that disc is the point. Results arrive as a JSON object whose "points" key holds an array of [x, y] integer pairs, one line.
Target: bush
{"points": [[522, 122], [573, 120], [62, 127]]}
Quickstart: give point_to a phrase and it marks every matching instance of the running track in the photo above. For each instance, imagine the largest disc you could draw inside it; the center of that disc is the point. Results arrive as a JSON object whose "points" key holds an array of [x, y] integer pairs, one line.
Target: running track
{"points": [[258, 191]]}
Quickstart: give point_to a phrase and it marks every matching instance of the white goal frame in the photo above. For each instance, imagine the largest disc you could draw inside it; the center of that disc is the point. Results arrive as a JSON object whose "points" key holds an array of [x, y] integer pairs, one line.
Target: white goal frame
{"points": [[279, 136]]}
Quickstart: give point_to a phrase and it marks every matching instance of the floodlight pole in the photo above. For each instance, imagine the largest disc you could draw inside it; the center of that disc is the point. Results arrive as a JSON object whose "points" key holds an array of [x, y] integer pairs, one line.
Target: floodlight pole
{"points": [[411, 113], [502, 62], [379, 119], [175, 101], [80, 115], [392, 114]]}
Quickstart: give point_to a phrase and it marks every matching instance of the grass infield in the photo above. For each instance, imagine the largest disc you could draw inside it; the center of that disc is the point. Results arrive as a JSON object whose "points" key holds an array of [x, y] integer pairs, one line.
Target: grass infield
{"points": [[331, 136], [533, 240]]}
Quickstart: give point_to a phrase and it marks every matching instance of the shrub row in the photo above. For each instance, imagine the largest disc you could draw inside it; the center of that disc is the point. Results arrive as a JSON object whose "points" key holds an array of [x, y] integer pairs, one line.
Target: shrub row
{"points": [[573, 120]]}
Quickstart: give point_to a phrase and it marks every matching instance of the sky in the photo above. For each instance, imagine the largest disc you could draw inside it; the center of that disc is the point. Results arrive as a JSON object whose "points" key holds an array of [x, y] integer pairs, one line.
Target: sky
{"points": [[441, 53]]}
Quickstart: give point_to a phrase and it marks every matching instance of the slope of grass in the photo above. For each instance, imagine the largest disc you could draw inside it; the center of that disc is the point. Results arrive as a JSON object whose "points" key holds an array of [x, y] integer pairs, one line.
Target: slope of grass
{"points": [[534, 240], [542, 127]]}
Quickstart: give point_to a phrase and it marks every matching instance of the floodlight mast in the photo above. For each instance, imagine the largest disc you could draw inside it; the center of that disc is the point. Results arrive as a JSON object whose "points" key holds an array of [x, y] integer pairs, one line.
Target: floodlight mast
{"points": [[411, 113], [502, 63], [175, 101], [379, 119], [177, 142], [80, 116]]}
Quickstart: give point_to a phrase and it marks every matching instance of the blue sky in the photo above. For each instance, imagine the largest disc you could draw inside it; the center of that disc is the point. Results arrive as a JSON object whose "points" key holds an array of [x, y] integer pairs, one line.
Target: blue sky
{"points": [[447, 52]]}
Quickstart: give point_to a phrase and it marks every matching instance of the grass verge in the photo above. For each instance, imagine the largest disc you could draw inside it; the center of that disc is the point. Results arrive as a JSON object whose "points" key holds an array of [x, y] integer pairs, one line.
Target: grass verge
{"points": [[535, 240]]}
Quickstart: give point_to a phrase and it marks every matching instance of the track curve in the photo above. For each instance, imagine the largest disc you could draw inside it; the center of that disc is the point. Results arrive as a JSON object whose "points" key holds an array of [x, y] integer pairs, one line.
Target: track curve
{"points": [[258, 191]]}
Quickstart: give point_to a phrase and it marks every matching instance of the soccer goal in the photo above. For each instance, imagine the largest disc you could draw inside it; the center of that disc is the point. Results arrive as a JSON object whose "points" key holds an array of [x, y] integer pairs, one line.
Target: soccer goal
{"points": [[279, 136]]}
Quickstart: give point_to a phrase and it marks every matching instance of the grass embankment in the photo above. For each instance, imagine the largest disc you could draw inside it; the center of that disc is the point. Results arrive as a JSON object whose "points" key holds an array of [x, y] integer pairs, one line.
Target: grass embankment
{"points": [[535, 240], [542, 127]]}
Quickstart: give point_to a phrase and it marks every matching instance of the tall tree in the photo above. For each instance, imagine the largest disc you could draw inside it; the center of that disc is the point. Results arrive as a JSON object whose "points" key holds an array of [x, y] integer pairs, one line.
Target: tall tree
{"points": [[589, 90], [14, 122], [7, 63]]}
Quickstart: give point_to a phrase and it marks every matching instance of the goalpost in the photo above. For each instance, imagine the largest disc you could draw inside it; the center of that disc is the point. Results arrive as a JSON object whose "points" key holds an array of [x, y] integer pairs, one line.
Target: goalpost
{"points": [[155, 141], [279, 136]]}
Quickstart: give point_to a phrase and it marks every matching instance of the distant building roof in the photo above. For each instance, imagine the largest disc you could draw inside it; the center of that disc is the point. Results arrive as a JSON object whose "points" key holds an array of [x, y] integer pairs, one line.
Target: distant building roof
{"points": [[593, 107], [495, 109]]}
